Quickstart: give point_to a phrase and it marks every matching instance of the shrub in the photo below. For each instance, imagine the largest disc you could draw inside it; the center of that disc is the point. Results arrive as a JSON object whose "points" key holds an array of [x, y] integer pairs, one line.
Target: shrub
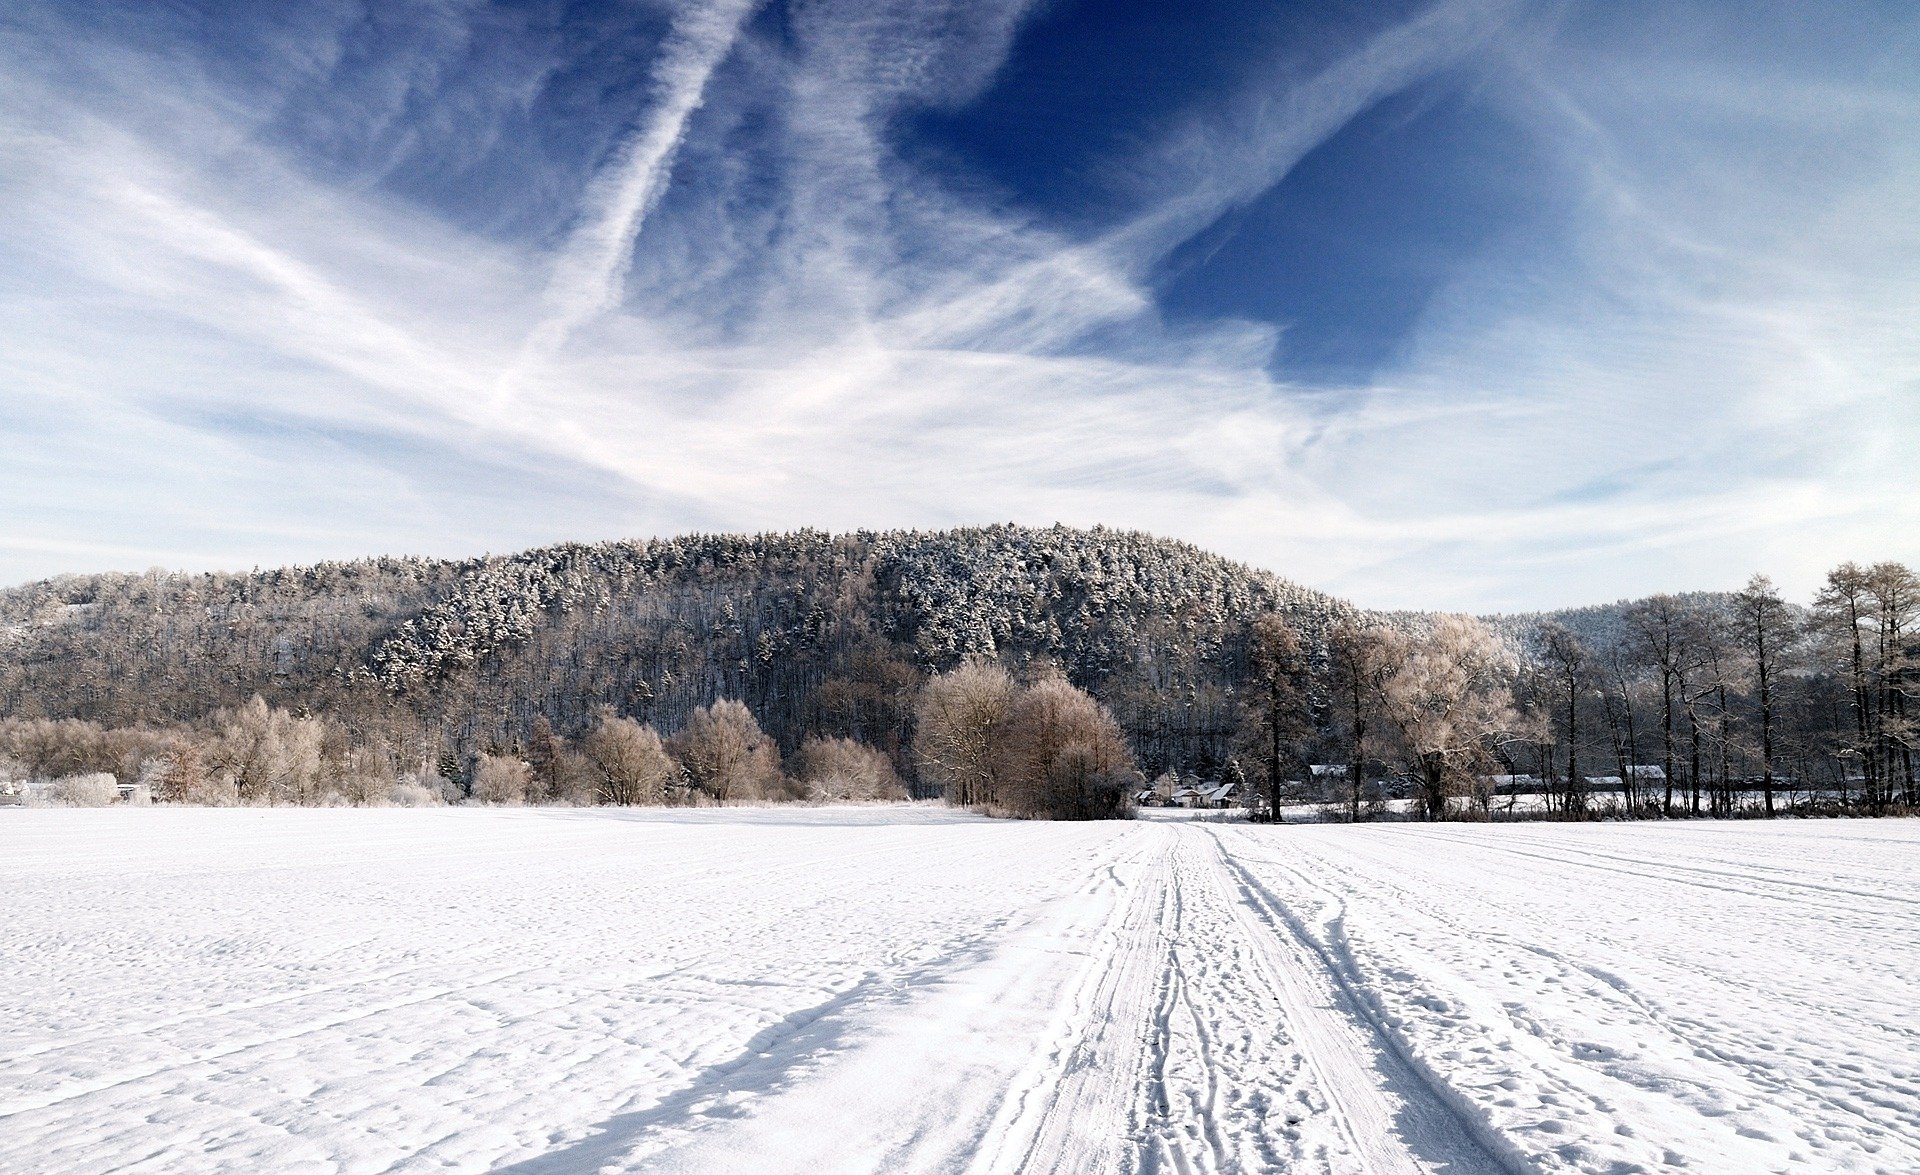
{"points": [[84, 791], [842, 769], [501, 779]]}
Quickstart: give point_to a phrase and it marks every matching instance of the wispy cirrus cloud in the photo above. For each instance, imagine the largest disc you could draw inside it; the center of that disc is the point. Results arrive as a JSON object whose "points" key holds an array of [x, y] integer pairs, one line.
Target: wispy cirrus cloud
{"points": [[243, 325]]}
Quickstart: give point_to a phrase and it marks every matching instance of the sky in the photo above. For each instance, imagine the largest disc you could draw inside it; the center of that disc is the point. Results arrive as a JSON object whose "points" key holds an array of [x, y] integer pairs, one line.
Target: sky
{"points": [[1465, 304]]}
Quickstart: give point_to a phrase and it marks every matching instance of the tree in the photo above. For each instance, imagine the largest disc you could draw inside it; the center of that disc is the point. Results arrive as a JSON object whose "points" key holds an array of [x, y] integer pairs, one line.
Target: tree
{"points": [[1658, 625], [843, 769], [1842, 609], [1360, 659], [1448, 701], [727, 755], [958, 723], [1896, 607], [1567, 664], [1767, 630], [628, 760], [271, 755], [1061, 756], [182, 778], [546, 762], [501, 779], [1617, 698], [1279, 706]]}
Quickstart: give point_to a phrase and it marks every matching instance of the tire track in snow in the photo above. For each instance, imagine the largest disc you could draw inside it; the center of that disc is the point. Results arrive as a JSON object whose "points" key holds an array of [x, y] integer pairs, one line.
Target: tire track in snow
{"points": [[1396, 1115], [1060, 1113], [1540, 1043], [1667, 872]]}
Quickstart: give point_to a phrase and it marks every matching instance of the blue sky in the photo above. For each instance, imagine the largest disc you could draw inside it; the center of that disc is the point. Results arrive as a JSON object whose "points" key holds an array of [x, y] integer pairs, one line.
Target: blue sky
{"points": [[1468, 304]]}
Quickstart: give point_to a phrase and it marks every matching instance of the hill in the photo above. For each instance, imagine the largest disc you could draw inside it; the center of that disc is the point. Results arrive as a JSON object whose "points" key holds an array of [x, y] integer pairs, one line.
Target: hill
{"points": [[815, 632]]}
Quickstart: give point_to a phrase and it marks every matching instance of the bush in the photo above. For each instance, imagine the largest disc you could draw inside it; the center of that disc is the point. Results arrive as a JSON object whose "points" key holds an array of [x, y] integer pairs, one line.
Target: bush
{"points": [[845, 770], [411, 793], [501, 779], [84, 791]]}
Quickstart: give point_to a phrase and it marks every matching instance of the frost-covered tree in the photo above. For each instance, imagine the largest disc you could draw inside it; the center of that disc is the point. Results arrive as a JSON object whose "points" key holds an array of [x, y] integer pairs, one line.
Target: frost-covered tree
{"points": [[501, 779], [727, 756], [271, 755], [1060, 755], [961, 717], [842, 769], [629, 761], [1360, 659], [1448, 701]]}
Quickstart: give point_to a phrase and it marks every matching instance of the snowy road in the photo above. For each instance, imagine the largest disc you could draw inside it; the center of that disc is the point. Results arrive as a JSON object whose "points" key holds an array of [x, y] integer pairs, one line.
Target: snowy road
{"points": [[913, 990]]}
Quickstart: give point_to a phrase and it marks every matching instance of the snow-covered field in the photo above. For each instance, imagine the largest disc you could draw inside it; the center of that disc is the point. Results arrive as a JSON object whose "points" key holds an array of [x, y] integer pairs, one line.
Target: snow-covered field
{"points": [[907, 989]]}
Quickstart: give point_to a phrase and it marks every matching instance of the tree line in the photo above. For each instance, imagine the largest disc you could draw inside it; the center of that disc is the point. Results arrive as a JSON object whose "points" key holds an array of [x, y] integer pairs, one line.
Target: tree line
{"points": [[1715, 705], [1025, 671]]}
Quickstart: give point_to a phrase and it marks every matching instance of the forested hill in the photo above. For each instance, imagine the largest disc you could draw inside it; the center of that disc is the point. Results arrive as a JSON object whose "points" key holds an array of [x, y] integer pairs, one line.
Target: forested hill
{"points": [[815, 632]]}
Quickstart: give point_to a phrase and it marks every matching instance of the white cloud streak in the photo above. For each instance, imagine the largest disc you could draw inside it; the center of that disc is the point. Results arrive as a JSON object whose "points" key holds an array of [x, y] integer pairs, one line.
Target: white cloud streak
{"points": [[590, 272]]}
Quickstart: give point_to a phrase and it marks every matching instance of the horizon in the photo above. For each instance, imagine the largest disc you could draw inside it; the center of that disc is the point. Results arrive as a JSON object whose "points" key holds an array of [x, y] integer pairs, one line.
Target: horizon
{"points": [[1475, 305]]}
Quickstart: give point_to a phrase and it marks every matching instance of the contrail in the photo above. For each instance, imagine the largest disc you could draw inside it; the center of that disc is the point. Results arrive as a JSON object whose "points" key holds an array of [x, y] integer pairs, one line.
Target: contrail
{"points": [[592, 268]]}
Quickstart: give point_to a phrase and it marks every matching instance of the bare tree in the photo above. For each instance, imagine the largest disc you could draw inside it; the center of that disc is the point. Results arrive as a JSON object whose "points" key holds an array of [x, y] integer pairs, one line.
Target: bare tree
{"points": [[1896, 607], [1279, 717], [1766, 629], [1568, 667], [1360, 659], [960, 717], [1659, 625], [1844, 609], [1617, 700]]}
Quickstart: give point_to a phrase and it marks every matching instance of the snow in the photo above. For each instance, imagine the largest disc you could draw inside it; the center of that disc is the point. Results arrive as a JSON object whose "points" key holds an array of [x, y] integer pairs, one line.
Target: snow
{"points": [[910, 989]]}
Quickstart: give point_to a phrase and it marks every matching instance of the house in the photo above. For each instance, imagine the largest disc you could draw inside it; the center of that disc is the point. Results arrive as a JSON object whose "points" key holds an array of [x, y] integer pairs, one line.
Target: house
{"points": [[1224, 795], [1507, 785]]}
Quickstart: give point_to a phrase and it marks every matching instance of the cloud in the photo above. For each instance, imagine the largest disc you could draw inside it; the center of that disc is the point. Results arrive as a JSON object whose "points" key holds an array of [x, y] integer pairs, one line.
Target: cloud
{"points": [[591, 269], [221, 348]]}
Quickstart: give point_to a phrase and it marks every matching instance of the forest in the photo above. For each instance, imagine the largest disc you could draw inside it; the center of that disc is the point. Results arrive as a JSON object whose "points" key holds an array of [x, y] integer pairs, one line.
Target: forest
{"points": [[1024, 671]]}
